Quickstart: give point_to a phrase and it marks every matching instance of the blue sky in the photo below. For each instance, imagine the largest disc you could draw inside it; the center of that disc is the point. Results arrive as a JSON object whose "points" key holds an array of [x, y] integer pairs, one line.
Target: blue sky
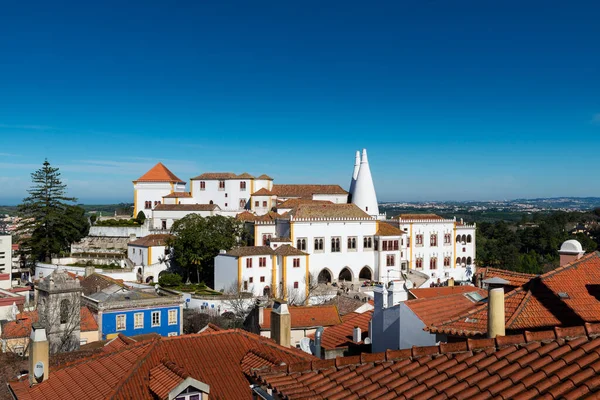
{"points": [[453, 100]]}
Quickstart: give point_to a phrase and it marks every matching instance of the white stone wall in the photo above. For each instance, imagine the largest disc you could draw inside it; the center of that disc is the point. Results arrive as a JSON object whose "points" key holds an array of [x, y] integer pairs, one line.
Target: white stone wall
{"points": [[260, 230], [227, 198], [5, 258], [334, 198], [256, 286], [171, 216], [150, 191]]}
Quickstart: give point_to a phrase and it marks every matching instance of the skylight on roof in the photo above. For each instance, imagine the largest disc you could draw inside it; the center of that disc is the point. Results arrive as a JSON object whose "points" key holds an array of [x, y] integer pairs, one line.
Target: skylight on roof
{"points": [[474, 296], [563, 295]]}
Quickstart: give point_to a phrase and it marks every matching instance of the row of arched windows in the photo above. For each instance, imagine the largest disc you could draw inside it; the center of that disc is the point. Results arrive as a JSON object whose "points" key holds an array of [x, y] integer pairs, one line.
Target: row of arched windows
{"points": [[464, 238]]}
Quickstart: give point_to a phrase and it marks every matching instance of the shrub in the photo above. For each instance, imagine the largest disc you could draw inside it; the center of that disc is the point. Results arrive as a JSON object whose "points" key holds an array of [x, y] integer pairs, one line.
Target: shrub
{"points": [[169, 279], [140, 218]]}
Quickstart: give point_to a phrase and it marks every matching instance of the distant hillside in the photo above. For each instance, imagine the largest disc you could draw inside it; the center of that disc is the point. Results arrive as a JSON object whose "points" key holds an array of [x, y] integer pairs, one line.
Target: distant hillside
{"points": [[104, 209]]}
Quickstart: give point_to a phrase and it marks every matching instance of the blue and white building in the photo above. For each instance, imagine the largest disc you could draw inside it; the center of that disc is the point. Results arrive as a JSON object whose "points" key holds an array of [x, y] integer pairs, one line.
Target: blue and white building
{"points": [[121, 309]]}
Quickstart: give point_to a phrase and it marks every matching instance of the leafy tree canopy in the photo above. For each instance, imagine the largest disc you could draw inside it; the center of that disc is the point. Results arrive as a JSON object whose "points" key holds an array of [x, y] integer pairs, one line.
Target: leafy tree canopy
{"points": [[197, 241], [51, 220]]}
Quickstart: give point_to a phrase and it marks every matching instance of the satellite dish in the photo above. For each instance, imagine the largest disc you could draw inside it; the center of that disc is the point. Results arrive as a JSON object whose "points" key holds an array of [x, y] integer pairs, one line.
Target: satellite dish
{"points": [[38, 371], [305, 345], [367, 340]]}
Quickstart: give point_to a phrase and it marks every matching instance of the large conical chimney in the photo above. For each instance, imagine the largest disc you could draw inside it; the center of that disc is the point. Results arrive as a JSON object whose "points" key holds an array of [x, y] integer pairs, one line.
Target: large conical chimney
{"points": [[281, 323], [364, 195], [354, 175]]}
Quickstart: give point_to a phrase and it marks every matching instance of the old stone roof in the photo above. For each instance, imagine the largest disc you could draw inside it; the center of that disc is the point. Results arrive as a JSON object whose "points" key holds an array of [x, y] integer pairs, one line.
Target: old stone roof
{"points": [[186, 207], [159, 173], [218, 359], [287, 250], [306, 316], [306, 191], [97, 282], [385, 229], [566, 296], [175, 195], [251, 251], [152, 240], [329, 211], [560, 363], [21, 327]]}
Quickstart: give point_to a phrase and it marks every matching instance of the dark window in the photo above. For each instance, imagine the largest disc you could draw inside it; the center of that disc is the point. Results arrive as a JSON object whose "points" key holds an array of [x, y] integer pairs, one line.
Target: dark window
{"points": [[64, 311], [202, 185]]}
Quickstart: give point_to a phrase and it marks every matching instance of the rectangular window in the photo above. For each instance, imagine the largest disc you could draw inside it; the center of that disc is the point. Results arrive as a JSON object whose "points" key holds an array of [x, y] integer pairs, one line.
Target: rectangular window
{"points": [[447, 238], [295, 285], [367, 242], [248, 263], [221, 185], [202, 185], [433, 263], [262, 278], [419, 240], [352, 243], [256, 203], [148, 205], [242, 186], [395, 245], [155, 318], [262, 262], [172, 334], [172, 317], [138, 320], [319, 245], [264, 203], [163, 224], [390, 260], [245, 285], [301, 244], [335, 244], [121, 322], [296, 262], [433, 240], [251, 279], [384, 245], [419, 263]]}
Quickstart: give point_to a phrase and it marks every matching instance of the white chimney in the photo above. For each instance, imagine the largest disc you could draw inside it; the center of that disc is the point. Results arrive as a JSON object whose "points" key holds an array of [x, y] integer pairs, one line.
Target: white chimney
{"points": [[364, 195], [396, 293], [39, 353], [496, 316], [570, 251], [356, 335], [281, 324]]}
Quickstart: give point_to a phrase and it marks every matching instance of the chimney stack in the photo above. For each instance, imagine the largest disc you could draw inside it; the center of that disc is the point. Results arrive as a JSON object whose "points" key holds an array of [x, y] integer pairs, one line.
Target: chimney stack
{"points": [[570, 251], [89, 271], [281, 323], [396, 293], [451, 282], [356, 334], [39, 353], [496, 320]]}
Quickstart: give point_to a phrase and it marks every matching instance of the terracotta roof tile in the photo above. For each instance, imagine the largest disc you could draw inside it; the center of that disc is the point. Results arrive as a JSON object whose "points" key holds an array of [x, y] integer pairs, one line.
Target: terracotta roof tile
{"points": [[159, 173], [251, 251], [176, 195], [295, 202], [152, 240], [385, 229], [306, 316], [186, 207], [515, 278], [418, 217], [306, 191], [146, 369], [329, 211], [21, 327], [264, 177], [341, 335], [421, 293], [287, 250], [246, 216], [497, 371], [262, 192], [432, 310], [566, 296], [210, 176], [245, 175]]}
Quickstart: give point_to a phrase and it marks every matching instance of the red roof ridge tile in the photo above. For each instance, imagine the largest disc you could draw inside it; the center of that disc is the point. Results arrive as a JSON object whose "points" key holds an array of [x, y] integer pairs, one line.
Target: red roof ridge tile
{"points": [[176, 369], [138, 362]]}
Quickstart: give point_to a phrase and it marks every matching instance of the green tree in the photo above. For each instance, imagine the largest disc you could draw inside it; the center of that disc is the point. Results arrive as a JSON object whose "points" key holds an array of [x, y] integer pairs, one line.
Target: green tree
{"points": [[140, 217], [197, 241], [50, 222]]}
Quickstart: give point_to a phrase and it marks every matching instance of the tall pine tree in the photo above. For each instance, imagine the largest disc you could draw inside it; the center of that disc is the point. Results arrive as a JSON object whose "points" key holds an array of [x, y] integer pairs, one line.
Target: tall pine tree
{"points": [[50, 220]]}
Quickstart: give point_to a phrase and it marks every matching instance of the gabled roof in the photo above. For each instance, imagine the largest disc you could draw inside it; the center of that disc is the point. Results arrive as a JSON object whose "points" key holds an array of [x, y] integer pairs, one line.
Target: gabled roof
{"points": [[176, 195], [566, 296], [293, 203], [431, 310], [385, 229], [245, 251], [186, 207], [246, 216], [97, 282], [215, 359], [287, 250], [152, 240], [159, 173], [21, 327], [220, 176], [329, 211], [245, 175], [550, 364], [341, 335], [514, 278], [265, 177], [306, 191], [306, 316], [262, 192]]}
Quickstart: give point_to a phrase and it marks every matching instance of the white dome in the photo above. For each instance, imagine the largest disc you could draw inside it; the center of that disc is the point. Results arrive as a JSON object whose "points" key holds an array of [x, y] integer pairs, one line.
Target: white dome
{"points": [[571, 247]]}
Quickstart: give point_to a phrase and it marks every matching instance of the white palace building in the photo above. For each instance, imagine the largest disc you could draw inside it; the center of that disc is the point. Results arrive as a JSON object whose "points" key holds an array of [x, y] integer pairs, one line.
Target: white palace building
{"points": [[304, 232]]}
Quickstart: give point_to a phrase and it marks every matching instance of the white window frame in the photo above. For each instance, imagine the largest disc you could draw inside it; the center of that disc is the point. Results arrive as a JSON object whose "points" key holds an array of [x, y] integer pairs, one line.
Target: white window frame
{"points": [[172, 334], [135, 320], [172, 312], [153, 314], [124, 317]]}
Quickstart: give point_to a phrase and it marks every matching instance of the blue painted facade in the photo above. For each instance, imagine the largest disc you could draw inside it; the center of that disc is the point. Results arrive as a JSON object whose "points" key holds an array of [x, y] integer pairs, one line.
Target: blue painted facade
{"points": [[109, 321]]}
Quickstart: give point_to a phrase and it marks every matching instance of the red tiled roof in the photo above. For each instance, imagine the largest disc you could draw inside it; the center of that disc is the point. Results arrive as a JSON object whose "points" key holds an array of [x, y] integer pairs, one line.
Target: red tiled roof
{"points": [[385, 229], [306, 191], [342, 210], [287, 250], [432, 310], [341, 335], [418, 216], [152, 240], [441, 291], [563, 363], [246, 216], [210, 327], [209, 176], [21, 327], [515, 278], [262, 192], [159, 173], [538, 305], [265, 177], [306, 316], [177, 195], [218, 359], [164, 377], [293, 203]]}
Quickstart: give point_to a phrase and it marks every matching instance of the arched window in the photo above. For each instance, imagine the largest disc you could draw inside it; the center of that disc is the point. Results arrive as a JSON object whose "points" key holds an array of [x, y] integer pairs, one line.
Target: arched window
{"points": [[301, 244], [242, 185], [464, 261], [457, 260], [211, 202], [464, 238], [64, 311], [469, 261], [457, 238], [243, 203], [433, 263], [468, 238], [318, 244]]}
